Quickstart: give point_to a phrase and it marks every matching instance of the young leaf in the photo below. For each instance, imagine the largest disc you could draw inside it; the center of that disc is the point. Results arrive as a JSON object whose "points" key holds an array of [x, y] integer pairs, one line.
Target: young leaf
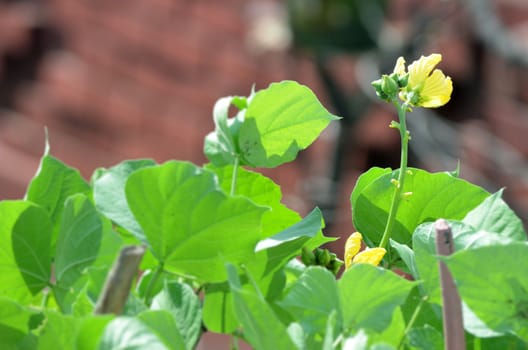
{"points": [[494, 215], [25, 236], [110, 198], [220, 146], [311, 299], [279, 122], [434, 195], [78, 243], [131, 333], [503, 306], [184, 306], [192, 227], [369, 296], [53, 183], [261, 326]]}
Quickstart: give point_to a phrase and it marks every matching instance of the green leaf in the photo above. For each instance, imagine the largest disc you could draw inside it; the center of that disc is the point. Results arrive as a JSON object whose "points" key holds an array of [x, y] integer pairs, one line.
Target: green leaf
{"points": [[59, 331], [166, 328], [14, 321], [191, 225], [130, 333], [494, 215], [25, 263], [365, 180], [110, 198], [261, 326], [369, 296], [184, 306], [274, 252], [424, 244], [90, 331], [312, 298], [503, 306], [52, 185], [220, 145], [279, 122], [78, 243], [218, 310], [434, 195], [262, 191], [407, 255], [425, 338]]}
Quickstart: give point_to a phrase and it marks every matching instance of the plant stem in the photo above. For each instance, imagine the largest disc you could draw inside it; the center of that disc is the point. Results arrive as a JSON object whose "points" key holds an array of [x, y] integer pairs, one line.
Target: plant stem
{"points": [[404, 135], [153, 281], [412, 320], [234, 176]]}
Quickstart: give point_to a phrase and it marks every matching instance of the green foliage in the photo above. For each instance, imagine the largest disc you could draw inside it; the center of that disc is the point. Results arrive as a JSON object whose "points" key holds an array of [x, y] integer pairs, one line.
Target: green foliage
{"points": [[225, 255]]}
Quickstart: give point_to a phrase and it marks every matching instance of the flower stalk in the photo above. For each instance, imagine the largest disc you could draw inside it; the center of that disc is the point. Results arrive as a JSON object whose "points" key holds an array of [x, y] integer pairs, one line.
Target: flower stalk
{"points": [[399, 183]]}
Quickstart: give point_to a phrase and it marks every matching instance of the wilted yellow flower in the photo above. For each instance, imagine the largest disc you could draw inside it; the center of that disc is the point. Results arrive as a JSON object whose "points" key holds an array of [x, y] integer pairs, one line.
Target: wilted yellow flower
{"points": [[371, 256], [425, 89], [352, 247]]}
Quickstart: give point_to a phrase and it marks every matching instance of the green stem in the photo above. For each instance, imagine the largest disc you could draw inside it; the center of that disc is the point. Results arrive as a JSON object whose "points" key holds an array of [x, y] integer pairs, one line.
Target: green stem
{"points": [[152, 282], [404, 135], [45, 297], [412, 320], [234, 176]]}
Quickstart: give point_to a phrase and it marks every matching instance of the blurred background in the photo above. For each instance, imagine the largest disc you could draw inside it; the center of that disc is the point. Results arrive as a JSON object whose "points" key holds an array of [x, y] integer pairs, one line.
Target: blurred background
{"points": [[114, 80], [139, 78]]}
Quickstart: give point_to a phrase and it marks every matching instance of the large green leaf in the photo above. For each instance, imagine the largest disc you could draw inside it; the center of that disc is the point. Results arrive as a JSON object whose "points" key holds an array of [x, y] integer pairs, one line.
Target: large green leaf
{"points": [[78, 243], [465, 236], [494, 215], [109, 194], [434, 195], [131, 334], [272, 254], [369, 296], [166, 327], [365, 180], [261, 326], [279, 122], [25, 263], [184, 306], [311, 299], [191, 225], [262, 191], [14, 321], [53, 183], [492, 281]]}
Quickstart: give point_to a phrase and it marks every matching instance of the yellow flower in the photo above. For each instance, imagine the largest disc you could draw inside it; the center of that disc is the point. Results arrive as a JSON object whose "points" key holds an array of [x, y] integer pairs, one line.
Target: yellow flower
{"points": [[425, 89], [371, 256]]}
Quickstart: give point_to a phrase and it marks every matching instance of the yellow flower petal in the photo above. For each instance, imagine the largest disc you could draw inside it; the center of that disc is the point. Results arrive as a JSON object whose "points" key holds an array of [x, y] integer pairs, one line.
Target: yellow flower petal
{"points": [[370, 256], [399, 68], [352, 247], [436, 91], [419, 70]]}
